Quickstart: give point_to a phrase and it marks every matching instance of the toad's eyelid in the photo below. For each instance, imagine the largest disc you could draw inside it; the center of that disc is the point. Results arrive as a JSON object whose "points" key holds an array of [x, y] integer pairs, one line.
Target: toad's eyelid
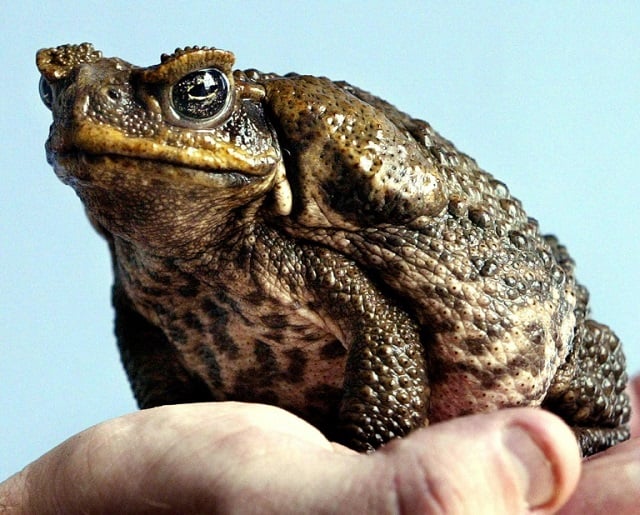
{"points": [[185, 61]]}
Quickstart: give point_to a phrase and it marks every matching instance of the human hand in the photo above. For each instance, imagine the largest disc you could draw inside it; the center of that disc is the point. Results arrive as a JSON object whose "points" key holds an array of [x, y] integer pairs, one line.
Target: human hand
{"points": [[232, 457], [237, 458]]}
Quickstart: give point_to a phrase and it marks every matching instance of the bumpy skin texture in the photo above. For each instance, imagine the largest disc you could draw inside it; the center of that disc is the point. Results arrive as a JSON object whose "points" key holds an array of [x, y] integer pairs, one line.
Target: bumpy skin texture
{"points": [[297, 241]]}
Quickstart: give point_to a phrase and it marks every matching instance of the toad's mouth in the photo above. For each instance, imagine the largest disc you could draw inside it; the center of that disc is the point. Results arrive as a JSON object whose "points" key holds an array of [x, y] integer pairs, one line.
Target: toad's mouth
{"points": [[91, 143], [84, 169]]}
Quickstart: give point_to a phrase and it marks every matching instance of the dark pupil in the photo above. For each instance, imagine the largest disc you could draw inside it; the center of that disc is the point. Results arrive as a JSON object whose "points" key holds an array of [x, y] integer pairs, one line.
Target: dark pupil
{"points": [[200, 94]]}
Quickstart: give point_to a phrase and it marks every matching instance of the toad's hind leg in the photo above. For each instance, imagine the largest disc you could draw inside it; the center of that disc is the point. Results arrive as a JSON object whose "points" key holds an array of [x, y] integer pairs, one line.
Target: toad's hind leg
{"points": [[588, 391]]}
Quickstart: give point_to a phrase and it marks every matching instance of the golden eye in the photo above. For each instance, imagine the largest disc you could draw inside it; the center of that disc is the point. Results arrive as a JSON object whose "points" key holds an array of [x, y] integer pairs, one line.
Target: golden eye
{"points": [[200, 95]]}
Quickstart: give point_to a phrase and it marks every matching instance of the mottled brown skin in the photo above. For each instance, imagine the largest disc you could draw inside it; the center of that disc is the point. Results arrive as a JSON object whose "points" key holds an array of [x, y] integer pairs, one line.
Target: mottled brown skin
{"points": [[299, 242]]}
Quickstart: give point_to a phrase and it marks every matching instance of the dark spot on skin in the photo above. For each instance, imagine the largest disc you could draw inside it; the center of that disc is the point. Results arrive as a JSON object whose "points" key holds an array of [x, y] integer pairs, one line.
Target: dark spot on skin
{"points": [[192, 321], [297, 365], [256, 383], [218, 327], [213, 368], [275, 335], [160, 278], [275, 321], [256, 298], [535, 333], [322, 404], [191, 289], [208, 306], [488, 378], [477, 346], [495, 332], [518, 363], [333, 350], [532, 363], [265, 355]]}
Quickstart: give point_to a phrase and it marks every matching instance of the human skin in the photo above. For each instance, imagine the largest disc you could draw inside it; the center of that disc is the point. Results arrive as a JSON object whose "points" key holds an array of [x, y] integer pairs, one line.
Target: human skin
{"points": [[238, 458]]}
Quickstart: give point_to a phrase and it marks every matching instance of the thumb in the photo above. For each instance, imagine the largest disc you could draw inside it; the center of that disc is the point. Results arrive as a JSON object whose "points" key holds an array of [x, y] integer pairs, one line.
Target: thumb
{"points": [[512, 461]]}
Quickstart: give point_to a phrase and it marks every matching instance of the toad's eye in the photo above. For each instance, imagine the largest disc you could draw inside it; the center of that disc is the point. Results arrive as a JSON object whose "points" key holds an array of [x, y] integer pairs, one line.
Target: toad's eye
{"points": [[200, 95], [46, 92]]}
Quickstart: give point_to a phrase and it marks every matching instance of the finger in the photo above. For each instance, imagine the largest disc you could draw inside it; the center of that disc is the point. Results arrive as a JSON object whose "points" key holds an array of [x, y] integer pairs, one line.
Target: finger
{"points": [[507, 462], [610, 482], [180, 459]]}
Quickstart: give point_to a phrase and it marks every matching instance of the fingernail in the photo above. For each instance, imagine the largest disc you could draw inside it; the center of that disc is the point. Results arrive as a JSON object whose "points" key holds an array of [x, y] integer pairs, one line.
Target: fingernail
{"points": [[532, 466]]}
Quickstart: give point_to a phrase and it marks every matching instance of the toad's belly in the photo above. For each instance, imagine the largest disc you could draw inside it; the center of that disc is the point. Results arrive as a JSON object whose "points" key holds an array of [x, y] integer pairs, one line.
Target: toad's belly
{"points": [[282, 359]]}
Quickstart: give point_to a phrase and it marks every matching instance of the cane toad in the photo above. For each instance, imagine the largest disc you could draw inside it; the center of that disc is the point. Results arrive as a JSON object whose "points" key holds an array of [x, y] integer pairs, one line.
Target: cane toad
{"points": [[298, 241]]}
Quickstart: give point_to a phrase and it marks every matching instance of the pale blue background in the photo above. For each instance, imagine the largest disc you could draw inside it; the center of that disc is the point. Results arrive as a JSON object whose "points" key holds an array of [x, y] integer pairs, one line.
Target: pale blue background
{"points": [[545, 95]]}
